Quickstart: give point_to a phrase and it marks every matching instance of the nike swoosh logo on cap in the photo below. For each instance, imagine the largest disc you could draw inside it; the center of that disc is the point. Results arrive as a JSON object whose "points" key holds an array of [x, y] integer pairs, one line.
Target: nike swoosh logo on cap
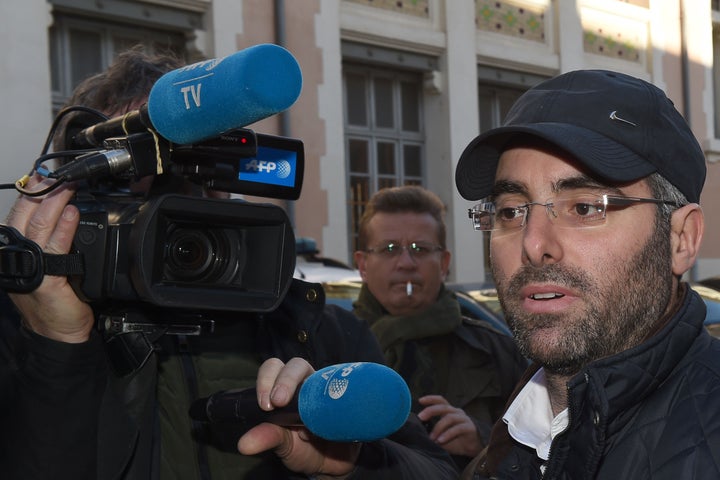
{"points": [[614, 116]]}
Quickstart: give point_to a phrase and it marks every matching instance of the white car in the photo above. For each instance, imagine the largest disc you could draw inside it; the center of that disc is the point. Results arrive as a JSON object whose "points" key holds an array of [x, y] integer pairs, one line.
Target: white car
{"points": [[311, 267], [317, 272]]}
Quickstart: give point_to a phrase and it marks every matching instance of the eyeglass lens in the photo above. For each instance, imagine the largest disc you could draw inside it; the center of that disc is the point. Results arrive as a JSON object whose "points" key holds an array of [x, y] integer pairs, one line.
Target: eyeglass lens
{"points": [[577, 211], [415, 249]]}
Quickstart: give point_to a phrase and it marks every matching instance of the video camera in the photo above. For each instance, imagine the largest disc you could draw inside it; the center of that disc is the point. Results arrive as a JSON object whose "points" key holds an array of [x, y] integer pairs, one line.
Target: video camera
{"points": [[178, 256], [170, 255]]}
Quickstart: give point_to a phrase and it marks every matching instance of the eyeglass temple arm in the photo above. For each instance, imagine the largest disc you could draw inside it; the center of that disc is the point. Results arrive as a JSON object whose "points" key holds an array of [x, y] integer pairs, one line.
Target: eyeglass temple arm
{"points": [[625, 201]]}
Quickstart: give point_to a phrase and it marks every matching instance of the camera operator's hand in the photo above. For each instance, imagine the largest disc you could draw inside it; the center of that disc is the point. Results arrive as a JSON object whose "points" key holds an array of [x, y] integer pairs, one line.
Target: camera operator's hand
{"points": [[53, 309], [297, 447], [454, 431]]}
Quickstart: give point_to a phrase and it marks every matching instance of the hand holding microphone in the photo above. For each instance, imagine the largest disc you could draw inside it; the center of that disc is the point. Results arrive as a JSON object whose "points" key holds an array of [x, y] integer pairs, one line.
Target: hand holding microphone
{"points": [[341, 399], [347, 402]]}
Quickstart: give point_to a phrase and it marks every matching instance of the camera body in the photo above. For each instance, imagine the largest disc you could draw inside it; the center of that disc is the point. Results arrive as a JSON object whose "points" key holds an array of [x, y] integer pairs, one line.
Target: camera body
{"points": [[188, 253], [166, 256], [184, 252]]}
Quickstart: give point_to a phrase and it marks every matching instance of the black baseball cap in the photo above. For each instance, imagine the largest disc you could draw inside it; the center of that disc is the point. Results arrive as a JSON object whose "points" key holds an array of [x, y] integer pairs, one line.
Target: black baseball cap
{"points": [[619, 127]]}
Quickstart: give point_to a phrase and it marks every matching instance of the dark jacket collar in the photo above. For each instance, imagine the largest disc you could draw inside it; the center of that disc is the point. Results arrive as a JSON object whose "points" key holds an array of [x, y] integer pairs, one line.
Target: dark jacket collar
{"points": [[609, 390]]}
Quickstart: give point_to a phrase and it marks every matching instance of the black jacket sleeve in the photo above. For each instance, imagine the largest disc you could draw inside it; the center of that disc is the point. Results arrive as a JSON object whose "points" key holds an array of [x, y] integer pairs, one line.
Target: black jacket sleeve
{"points": [[50, 394], [408, 454]]}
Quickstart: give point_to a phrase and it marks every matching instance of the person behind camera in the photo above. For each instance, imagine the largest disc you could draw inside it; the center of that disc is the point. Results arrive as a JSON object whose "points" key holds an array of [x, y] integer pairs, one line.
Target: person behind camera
{"points": [[460, 370], [66, 413], [590, 191]]}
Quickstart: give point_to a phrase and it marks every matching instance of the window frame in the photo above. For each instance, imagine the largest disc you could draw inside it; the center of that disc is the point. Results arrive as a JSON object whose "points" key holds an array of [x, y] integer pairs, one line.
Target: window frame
{"points": [[373, 136], [109, 33]]}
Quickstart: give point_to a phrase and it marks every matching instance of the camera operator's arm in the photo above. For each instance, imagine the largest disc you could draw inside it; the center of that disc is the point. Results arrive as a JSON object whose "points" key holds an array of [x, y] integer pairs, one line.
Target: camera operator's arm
{"points": [[55, 370], [53, 309], [300, 450]]}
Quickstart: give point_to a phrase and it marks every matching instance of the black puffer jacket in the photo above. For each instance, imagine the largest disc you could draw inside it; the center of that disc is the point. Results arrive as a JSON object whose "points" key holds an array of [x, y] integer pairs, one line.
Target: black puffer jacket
{"points": [[652, 412], [65, 415]]}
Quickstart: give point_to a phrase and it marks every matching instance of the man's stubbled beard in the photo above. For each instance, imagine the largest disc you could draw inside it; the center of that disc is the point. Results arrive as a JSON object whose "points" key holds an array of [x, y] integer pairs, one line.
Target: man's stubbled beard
{"points": [[616, 314]]}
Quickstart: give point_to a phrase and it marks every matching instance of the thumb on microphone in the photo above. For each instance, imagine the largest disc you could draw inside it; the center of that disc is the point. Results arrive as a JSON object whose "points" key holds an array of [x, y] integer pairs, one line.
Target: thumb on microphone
{"points": [[300, 451]]}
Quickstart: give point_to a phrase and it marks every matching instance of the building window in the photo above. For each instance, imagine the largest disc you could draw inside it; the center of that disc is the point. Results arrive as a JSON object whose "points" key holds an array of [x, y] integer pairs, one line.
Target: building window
{"points": [[494, 104], [383, 134], [82, 46]]}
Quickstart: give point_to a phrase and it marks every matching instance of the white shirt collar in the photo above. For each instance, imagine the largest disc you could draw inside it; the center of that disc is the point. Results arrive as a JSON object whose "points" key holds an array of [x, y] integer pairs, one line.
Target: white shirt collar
{"points": [[530, 420]]}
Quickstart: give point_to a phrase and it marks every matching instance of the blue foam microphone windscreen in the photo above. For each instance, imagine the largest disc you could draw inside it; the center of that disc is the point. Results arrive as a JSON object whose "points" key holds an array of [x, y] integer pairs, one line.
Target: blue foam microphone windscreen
{"points": [[202, 100], [354, 402]]}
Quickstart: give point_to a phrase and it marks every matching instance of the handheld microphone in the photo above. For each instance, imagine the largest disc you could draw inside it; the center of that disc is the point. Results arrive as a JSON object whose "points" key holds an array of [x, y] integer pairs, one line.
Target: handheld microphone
{"points": [[347, 402], [208, 98]]}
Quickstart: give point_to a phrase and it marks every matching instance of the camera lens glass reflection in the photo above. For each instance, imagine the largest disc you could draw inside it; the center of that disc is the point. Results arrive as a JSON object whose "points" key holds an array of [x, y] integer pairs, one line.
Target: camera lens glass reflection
{"points": [[202, 255]]}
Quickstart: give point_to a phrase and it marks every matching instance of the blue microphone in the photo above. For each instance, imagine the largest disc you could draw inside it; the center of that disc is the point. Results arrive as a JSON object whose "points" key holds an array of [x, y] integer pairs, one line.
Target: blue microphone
{"points": [[202, 100], [205, 99], [348, 402]]}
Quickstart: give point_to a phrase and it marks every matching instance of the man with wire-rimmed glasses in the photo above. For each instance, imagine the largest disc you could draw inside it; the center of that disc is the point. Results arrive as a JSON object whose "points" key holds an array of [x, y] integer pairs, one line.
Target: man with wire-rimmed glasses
{"points": [[589, 192], [403, 261]]}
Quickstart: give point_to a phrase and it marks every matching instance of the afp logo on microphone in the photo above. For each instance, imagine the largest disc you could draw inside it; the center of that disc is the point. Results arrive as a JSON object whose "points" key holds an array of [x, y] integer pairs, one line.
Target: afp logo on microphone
{"points": [[270, 166]]}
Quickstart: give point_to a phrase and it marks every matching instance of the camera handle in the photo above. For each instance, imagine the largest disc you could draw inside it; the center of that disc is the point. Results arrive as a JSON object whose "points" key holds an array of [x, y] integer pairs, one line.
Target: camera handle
{"points": [[23, 264]]}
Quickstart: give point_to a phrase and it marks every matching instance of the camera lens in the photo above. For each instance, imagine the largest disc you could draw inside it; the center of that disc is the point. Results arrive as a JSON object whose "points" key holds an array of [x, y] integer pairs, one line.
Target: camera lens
{"points": [[201, 255]]}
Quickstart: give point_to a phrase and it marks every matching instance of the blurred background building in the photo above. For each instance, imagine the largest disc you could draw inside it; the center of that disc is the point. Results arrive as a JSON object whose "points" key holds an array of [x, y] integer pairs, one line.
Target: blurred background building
{"points": [[393, 90]]}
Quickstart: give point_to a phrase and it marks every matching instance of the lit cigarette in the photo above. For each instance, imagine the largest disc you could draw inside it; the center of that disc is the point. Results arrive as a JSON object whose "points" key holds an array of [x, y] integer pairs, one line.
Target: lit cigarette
{"points": [[408, 288]]}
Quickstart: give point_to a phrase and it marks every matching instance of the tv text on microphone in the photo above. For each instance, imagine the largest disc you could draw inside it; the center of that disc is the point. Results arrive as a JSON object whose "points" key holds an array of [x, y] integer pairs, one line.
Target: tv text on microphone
{"points": [[163, 262]]}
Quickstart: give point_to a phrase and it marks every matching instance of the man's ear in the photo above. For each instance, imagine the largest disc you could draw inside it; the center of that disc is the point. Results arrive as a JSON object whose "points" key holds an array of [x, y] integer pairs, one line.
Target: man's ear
{"points": [[359, 257], [687, 226], [445, 264]]}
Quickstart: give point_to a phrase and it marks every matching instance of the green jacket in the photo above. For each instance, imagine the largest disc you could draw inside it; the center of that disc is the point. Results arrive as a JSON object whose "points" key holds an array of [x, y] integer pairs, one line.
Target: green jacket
{"points": [[440, 352]]}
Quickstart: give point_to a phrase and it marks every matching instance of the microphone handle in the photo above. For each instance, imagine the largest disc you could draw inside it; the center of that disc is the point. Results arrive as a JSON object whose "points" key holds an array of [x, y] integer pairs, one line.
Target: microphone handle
{"points": [[136, 121], [240, 407]]}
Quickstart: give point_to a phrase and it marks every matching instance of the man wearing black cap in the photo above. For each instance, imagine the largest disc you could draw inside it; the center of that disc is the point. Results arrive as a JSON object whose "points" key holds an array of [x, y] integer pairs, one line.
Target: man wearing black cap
{"points": [[590, 193]]}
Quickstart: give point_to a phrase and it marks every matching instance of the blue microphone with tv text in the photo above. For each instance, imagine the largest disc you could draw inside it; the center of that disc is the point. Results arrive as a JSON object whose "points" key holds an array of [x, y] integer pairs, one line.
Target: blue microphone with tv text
{"points": [[198, 112], [347, 402], [203, 100]]}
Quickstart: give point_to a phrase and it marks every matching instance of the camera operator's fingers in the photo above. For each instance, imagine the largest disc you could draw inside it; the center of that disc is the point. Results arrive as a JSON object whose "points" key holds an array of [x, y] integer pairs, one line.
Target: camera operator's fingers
{"points": [[48, 217], [37, 217], [62, 236], [22, 209]]}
